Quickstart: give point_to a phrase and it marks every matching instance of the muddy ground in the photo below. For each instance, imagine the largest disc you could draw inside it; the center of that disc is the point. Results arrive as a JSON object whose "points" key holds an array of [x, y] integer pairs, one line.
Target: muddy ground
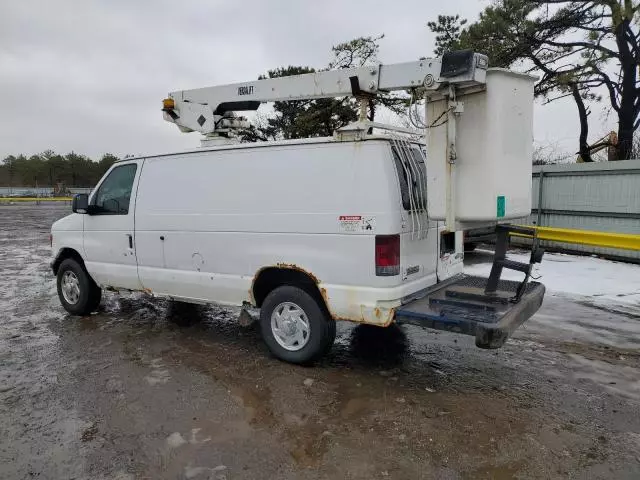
{"points": [[146, 389]]}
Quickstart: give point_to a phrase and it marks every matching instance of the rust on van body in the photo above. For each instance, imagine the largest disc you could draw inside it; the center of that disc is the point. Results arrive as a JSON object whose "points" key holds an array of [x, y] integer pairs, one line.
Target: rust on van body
{"points": [[289, 266], [379, 316], [293, 266], [382, 317]]}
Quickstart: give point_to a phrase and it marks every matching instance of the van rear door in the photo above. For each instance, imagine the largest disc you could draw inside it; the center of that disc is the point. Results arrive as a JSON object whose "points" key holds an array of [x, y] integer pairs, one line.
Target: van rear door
{"points": [[426, 249]]}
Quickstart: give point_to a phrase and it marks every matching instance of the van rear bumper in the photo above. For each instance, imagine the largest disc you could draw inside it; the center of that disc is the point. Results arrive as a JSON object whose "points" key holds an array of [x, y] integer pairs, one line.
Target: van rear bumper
{"points": [[372, 305], [461, 306]]}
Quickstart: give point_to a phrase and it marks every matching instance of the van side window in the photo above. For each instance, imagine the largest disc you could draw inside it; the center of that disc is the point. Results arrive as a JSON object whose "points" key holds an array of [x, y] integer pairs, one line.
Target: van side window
{"points": [[114, 194], [412, 180]]}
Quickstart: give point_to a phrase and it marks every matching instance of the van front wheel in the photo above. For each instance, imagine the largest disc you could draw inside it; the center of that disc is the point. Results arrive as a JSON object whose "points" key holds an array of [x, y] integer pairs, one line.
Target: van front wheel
{"points": [[295, 328], [78, 293]]}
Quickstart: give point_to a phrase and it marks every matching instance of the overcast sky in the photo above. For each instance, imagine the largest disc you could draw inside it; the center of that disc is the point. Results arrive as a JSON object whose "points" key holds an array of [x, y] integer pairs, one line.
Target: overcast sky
{"points": [[89, 76]]}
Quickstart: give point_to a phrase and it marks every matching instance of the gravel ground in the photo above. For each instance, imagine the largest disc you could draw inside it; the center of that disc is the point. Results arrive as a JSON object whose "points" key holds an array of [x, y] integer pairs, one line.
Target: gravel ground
{"points": [[147, 388]]}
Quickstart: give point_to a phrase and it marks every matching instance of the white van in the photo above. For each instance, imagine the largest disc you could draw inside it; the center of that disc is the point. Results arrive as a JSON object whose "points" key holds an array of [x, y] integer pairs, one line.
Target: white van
{"points": [[310, 231]]}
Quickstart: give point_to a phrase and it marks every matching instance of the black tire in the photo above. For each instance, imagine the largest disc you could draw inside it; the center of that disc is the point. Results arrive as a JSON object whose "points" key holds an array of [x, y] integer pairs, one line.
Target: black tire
{"points": [[322, 329], [332, 336], [89, 294]]}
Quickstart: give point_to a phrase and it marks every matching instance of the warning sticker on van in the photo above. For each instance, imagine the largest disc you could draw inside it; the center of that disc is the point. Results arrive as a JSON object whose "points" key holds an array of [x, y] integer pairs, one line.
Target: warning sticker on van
{"points": [[356, 223]]}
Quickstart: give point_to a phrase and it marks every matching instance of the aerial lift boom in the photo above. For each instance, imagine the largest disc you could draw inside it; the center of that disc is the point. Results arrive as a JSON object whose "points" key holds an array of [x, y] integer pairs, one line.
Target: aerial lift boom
{"points": [[210, 110]]}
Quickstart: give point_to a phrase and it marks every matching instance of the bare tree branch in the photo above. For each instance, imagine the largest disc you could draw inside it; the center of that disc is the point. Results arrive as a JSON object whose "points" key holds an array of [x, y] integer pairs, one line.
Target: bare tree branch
{"points": [[588, 45]]}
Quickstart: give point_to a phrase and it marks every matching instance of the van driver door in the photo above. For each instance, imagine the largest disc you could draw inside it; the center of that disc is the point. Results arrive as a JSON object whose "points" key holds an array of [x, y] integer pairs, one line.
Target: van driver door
{"points": [[109, 235]]}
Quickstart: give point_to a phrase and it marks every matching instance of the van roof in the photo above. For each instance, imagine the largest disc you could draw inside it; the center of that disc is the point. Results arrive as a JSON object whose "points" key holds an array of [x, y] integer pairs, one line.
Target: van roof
{"points": [[276, 143]]}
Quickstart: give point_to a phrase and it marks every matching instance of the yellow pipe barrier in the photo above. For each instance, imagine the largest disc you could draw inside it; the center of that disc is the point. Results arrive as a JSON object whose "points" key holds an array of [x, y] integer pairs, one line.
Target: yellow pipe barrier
{"points": [[35, 199], [624, 241]]}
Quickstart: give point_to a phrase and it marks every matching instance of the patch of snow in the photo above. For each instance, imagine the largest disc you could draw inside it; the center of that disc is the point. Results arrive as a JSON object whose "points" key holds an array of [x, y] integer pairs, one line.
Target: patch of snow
{"points": [[194, 440], [159, 375], [175, 440], [214, 473]]}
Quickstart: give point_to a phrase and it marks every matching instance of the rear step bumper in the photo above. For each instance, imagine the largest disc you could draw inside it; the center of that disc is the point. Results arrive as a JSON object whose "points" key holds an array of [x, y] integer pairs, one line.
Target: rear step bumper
{"points": [[462, 306]]}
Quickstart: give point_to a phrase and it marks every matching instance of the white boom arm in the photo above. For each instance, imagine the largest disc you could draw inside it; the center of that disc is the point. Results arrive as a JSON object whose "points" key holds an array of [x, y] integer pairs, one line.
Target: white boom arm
{"points": [[210, 110]]}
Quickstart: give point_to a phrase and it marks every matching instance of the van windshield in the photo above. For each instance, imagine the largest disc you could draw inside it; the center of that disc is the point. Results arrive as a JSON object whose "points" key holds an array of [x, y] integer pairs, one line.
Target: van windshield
{"points": [[409, 159]]}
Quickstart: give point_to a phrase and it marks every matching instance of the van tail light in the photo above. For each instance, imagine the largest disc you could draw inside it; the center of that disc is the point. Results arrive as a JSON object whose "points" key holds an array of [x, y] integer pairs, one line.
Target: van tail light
{"points": [[51, 240], [387, 255]]}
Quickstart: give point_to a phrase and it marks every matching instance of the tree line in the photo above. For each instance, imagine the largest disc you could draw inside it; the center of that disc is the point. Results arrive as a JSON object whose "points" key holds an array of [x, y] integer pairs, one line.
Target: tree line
{"points": [[50, 169]]}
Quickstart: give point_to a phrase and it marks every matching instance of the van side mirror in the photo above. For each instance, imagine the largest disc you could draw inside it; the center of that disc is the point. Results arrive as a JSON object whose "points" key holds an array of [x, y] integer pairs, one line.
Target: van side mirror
{"points": [[80, 203]]}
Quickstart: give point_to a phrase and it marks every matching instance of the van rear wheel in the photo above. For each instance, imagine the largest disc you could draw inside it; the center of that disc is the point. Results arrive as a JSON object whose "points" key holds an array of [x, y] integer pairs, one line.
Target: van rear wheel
{"points": [[294, 326], [78, 293]]}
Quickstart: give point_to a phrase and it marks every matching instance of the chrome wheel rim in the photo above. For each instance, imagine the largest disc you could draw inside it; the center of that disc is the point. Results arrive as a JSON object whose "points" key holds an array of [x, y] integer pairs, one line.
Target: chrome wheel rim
{"points": [[290, 326], [70, 287]]}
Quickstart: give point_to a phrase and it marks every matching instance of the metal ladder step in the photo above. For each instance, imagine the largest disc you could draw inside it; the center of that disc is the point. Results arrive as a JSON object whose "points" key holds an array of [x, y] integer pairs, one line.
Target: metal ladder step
{"points": [[500, 260], [512, 265]]}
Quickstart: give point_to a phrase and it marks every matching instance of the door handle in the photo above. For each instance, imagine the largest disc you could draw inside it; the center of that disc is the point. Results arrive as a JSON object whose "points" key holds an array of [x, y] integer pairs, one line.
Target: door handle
{"points": [[130, 237]]}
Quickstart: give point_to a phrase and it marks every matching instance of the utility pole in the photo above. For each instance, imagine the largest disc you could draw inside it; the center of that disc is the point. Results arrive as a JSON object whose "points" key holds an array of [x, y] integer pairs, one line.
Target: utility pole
{"points": [[10, 176]]}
